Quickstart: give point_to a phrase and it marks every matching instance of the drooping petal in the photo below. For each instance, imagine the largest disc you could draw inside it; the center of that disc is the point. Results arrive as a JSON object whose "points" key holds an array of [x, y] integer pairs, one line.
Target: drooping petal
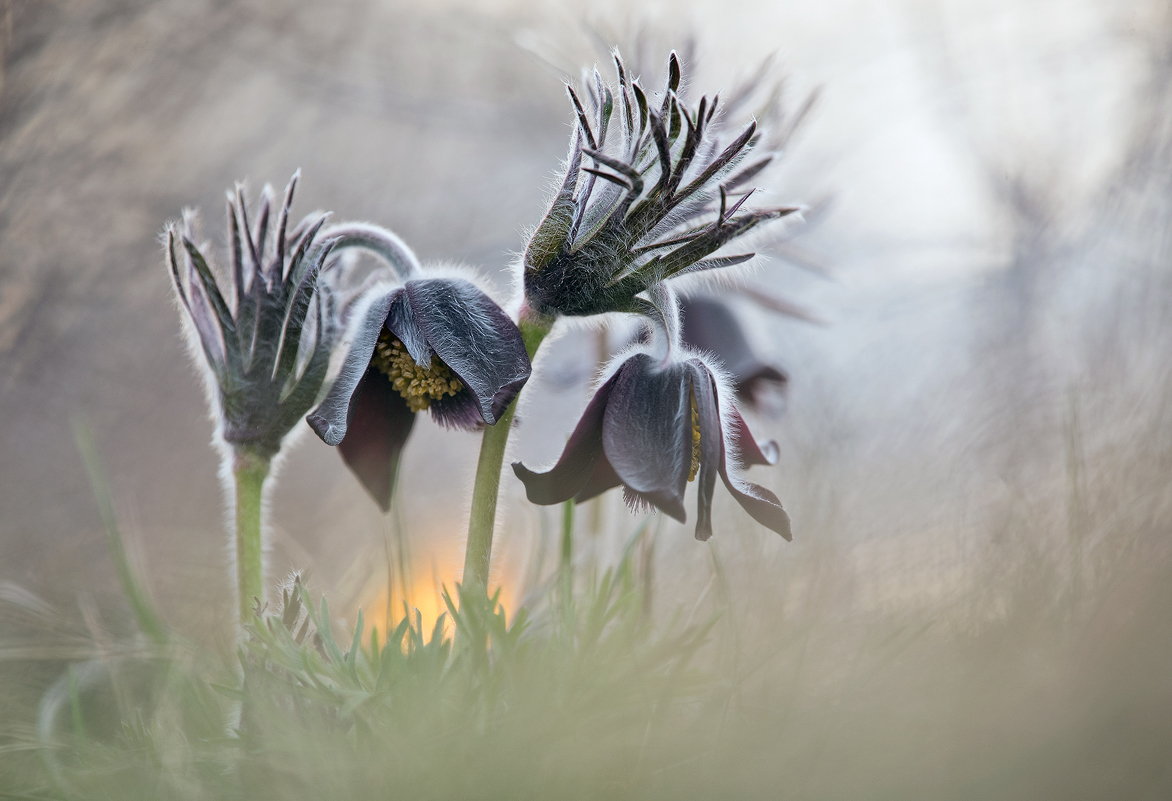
{"points": [[402, 323], [380, 422], [604, 478], [647, 432], [752, 452], [575, 469], [474, 337], [711, 445], [760, 503], [329, 420]]}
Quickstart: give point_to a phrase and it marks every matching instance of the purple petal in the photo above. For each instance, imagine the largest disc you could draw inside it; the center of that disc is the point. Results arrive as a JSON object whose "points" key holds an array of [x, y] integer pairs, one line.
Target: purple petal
{"points": [[752, 452], [711, 445], [647, 432], [576, 467], [475, 338], [760, 503], [329, 420], [380, 422], [402, 323], [603, 479]]}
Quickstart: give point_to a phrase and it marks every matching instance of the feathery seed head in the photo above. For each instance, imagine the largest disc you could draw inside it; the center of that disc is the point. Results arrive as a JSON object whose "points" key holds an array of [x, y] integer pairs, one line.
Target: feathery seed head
{"points": [[664, 193]]}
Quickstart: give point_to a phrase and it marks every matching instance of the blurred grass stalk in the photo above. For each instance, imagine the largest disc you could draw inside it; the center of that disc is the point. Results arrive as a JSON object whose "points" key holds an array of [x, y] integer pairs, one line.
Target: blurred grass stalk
{"points": [[144, 613]]}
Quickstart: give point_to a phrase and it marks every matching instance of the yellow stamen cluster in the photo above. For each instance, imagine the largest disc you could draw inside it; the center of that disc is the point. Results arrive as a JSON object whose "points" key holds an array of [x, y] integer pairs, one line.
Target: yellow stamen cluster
{"points": [[695, 468], [419, 386]]}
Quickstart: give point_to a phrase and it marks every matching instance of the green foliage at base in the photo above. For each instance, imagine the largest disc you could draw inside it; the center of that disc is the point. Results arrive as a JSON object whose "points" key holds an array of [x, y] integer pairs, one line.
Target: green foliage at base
{"points": [[567, 704]]}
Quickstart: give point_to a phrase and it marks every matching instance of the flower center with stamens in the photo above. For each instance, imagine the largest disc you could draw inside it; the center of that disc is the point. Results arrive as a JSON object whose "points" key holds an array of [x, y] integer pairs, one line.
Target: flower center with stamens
{"points": [[419, 386], [695, 468]]}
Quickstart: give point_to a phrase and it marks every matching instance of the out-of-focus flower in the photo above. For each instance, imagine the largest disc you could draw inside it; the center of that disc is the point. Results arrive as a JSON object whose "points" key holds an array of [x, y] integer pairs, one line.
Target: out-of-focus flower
{"points": [[670, 196], [711, 326], [652, 427], [433, 343], [267, 355]]}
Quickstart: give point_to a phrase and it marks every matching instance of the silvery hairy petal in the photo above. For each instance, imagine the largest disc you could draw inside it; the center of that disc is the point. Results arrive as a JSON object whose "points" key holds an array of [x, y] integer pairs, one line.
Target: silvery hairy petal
{"points": [[469, 364], [761, 504], [474, 337], [330, 419], [647, 433]]}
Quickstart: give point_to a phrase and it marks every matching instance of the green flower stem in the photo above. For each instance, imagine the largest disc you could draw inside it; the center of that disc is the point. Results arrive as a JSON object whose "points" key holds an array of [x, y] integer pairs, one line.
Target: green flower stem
{"points": [[482, 519], [566, 560], [250, 471]]}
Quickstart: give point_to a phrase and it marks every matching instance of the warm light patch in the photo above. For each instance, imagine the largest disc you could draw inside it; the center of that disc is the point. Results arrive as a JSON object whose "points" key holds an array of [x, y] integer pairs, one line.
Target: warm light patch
{"points": [[384, 606]]}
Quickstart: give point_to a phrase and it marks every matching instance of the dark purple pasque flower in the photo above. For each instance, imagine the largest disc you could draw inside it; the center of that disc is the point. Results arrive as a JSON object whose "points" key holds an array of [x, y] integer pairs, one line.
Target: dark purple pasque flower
{"points": [[710, 326], [438, 344], [652, 428]]}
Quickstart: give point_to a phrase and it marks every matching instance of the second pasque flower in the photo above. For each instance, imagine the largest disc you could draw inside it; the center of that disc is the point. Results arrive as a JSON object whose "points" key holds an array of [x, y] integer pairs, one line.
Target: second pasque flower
{"points": [[652, 428]]}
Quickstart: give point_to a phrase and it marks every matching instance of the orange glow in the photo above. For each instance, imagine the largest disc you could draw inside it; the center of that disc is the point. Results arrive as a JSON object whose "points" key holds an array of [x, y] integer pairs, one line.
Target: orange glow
{"points": [[424, 592]]}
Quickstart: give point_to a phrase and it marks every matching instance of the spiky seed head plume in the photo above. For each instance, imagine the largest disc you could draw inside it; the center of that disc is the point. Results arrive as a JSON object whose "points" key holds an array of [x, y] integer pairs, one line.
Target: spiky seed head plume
{"points": [[665, 191]]}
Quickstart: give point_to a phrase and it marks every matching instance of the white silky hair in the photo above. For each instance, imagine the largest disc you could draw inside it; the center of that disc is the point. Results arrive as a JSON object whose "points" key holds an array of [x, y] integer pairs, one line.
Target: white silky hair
{"points": [[405, 268]]}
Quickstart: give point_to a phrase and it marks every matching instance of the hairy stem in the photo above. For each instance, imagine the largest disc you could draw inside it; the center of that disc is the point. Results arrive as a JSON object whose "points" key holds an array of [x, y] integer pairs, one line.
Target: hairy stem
{"points": [[250, 471], [482, 519]]}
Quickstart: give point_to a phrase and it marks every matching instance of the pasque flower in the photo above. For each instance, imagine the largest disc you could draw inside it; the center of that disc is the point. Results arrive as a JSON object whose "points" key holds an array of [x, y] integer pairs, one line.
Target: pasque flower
{"points": [[653, 426], [664, 194], [435, 343]]}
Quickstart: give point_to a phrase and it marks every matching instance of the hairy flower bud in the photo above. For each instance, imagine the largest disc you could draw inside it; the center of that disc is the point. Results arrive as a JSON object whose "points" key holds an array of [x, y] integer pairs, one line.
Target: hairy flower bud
{"points": [[251, 334]]}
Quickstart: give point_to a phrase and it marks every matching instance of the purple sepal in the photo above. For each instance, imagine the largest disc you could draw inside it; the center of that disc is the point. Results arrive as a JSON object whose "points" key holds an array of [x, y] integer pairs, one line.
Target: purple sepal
{"points": [[379, 424]]}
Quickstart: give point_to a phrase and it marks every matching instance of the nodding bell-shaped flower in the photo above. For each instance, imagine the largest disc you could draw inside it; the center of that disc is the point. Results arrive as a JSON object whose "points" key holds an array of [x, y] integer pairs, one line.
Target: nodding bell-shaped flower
{"points": [[712, 327], [266, 352], [657, 423], [664, 194], [432, 342]]}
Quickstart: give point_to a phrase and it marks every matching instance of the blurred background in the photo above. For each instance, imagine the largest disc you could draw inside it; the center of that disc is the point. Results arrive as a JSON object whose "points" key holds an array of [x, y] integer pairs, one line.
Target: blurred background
{"points": [[976, 444]]}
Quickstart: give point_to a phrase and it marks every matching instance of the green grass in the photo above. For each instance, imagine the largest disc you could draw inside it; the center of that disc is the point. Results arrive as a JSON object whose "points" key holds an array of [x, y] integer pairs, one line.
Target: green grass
{"points": [[595, 700], [1032, 663]]}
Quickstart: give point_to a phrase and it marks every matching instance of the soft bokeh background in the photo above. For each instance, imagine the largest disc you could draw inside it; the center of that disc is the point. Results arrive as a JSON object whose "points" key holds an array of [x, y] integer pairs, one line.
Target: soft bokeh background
{"points": [[977, 450]]}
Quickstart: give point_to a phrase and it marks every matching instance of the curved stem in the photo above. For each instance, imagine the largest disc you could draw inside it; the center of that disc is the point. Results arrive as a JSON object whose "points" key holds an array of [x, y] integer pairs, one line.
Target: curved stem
{"points": [[378, 240], [250, 471], [482, 519]]}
